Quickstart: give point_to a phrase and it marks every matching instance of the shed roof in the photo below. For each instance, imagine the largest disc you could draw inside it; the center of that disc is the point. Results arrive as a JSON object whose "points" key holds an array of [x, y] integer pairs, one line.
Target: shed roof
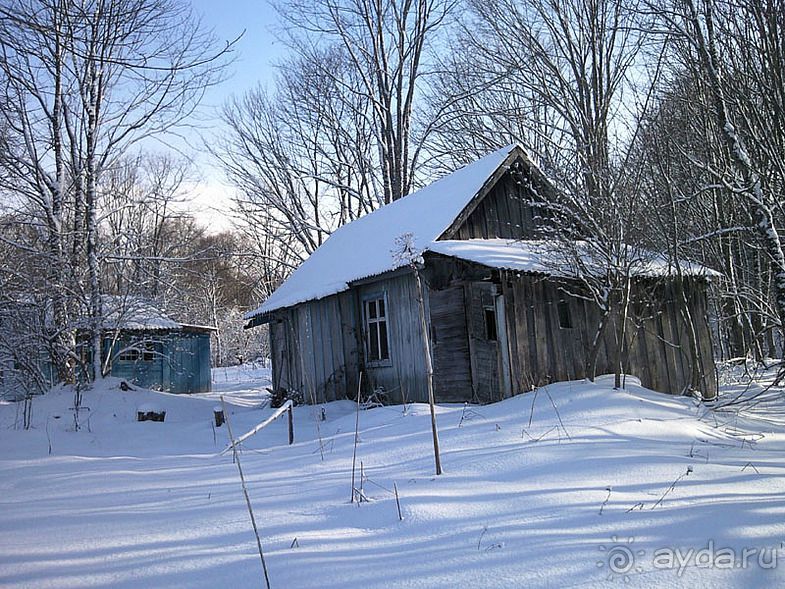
{"points": [[140, 314], [364, 247], [550, 258]]}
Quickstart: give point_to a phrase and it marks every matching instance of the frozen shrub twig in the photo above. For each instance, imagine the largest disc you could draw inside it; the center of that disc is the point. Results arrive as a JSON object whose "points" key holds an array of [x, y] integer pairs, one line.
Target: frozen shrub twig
{"points": [[608, 498], [479, 542], [673, 486]]}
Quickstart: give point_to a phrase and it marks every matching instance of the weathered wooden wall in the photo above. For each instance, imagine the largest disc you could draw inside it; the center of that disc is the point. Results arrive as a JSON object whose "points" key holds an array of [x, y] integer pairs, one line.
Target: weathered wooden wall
{"points": [[179, 363], [403, 377], [655, 348], [318, 347], [485, 352], [314, 348], [450, 343], [542, 351]]}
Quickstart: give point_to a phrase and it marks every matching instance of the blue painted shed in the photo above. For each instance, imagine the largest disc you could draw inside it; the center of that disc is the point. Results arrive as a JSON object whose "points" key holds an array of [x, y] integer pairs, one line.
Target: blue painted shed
{"points": [[146, 347]]}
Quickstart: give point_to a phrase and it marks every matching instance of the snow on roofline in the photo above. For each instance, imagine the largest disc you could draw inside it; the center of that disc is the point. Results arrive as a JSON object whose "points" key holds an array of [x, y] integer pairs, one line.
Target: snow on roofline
{"points": [[363, 248], [551, 258], [134, 313]]}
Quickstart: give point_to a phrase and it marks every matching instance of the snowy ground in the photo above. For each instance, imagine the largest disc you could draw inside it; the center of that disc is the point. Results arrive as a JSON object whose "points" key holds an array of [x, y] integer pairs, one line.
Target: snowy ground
{"points": [[532, 495]]}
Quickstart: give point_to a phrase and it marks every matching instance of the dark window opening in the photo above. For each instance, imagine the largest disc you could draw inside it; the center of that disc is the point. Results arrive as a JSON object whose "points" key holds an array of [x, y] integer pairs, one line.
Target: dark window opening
{"points": [[378, 345], [565, 317], [129, 355], [490, 324], [148, 354]]}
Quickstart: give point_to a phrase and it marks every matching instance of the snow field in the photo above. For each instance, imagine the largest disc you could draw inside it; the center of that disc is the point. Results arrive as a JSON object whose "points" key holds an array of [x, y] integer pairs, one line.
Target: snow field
{"points": [[539, 491]]}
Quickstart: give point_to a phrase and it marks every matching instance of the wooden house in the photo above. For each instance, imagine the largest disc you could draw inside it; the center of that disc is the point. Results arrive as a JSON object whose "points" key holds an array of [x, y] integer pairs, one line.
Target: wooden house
{"points": [[140, 344], [25, 367], [502, 317], [145, 347]]}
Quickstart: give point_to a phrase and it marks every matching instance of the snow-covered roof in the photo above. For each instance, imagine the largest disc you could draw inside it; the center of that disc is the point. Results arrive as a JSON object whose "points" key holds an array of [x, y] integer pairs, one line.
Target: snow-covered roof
{"points": [[139, 314], [364, 247], [551, 258]]}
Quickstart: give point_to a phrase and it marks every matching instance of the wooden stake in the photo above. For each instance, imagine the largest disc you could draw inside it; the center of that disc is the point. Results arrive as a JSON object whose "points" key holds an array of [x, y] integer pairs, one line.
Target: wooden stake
{"points": [[397, 502], [356, 432], [291, 426], [245, 492], [362, 482], [428, 370]]}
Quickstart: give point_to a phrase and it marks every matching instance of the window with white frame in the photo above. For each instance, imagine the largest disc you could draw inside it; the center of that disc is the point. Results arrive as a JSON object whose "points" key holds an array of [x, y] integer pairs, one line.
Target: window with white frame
{"points": [[129, 355], [144, 351], [376, 333]]}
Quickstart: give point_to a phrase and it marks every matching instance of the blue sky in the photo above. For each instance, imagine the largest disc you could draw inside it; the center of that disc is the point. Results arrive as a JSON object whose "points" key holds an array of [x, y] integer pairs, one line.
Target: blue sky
{"points": [[255, 56], [255, 53]]}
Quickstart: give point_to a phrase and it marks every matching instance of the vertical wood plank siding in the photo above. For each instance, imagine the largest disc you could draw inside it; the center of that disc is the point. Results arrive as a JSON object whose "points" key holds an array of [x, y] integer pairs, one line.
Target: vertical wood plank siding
{"points": [[180, 360], [655, 348], [506, 212], [450, 342], [404, 375], [318, 347]]}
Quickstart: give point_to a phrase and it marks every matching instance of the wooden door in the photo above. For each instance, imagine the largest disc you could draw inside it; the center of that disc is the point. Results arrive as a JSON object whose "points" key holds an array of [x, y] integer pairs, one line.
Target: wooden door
{"points": [[450, 342], [483, 328]]}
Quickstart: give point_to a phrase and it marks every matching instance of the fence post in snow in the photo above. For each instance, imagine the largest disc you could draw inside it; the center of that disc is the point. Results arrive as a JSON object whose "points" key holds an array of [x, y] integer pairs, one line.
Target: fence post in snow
{"points": [[291, 426]]}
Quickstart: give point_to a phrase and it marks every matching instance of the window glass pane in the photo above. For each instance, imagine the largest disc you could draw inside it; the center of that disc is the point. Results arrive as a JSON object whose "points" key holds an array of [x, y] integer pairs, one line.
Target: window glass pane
{"points": [[373, 342], [131, 355], [565, 318], [490, 324], [372, 309], [381, 308], [384, 353]]}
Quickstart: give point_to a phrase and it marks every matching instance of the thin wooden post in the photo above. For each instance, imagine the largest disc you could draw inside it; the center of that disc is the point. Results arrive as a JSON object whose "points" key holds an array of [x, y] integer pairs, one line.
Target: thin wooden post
{"points": [[218, 415], [397, 502], [291, 426], [428, 368], [245, 492], [356, 430]]}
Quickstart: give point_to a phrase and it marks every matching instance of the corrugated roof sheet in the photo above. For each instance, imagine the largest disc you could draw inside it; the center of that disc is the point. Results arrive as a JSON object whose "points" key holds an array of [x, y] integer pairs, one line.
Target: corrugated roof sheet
{"points": [[551, 258]]}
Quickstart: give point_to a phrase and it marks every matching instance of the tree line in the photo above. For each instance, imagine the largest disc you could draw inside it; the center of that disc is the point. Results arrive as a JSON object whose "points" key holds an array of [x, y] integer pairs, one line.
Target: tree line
{"points": [[661, 123]]}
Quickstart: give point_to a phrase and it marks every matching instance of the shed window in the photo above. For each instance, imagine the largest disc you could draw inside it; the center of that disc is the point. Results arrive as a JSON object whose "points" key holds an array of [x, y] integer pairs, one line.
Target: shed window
{"points": [[148, 352], [565, 317], [376, 333], [129, 355], [144, 351]]}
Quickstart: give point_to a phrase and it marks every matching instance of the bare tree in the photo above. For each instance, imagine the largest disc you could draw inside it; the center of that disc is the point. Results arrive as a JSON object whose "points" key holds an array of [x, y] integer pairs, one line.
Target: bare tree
{"points": [[82, 82], [561, 78], [302, 163], [385, 44], [731, 55]]}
